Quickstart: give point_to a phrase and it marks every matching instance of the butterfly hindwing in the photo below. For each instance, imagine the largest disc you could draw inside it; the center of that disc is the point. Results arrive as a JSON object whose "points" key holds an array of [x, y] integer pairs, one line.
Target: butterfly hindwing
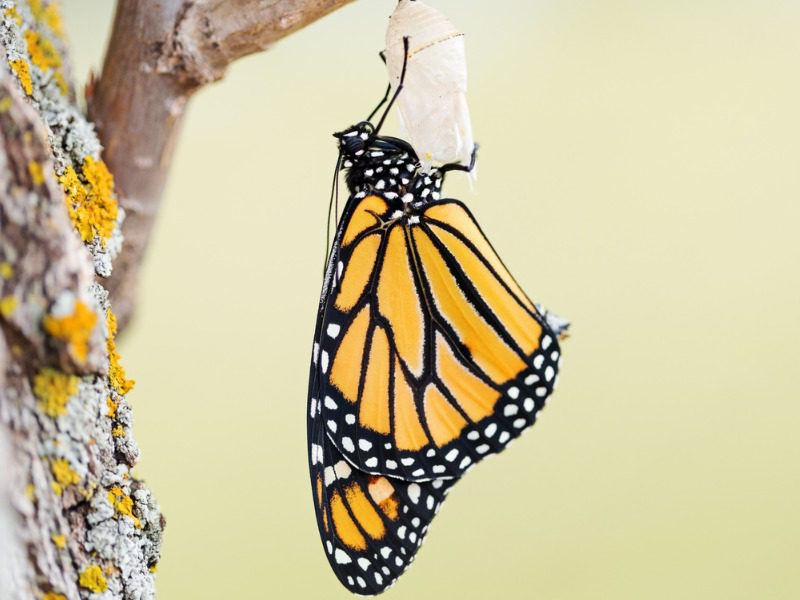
{"points": [[371, 526]]}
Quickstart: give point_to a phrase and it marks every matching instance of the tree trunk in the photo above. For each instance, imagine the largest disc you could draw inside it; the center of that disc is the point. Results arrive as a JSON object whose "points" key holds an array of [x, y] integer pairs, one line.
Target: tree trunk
{"points": [[74, 521]]}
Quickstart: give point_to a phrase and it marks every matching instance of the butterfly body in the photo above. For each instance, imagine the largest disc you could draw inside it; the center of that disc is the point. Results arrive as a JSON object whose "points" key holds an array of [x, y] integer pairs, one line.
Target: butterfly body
{"points": [[427, 358]]}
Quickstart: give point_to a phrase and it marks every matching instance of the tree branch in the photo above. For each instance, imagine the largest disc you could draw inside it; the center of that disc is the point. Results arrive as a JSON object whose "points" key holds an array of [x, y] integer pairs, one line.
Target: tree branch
{"points": [[159, 55], [80, 523]]}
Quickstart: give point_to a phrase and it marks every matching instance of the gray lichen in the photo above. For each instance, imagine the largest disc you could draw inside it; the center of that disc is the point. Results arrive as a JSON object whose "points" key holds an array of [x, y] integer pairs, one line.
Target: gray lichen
{"points": [[88, 528], [71, 136]]}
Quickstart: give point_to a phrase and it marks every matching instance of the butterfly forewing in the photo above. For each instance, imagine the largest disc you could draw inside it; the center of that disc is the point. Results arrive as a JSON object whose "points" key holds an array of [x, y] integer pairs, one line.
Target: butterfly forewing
{"points": [[429, 347]]}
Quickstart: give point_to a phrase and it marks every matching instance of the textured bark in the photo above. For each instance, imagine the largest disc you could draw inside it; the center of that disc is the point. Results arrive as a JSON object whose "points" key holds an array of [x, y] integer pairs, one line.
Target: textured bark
{"points": [[159, 55], [74, 522]]}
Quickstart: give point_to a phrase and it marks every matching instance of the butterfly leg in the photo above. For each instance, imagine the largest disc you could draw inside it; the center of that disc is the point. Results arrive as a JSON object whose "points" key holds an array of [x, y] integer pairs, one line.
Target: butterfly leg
{"points": [[455, 166]]}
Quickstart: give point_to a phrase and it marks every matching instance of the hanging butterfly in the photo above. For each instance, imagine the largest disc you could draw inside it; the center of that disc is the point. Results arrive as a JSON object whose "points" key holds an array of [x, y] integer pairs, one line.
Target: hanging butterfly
{"points": [[427, 357]]}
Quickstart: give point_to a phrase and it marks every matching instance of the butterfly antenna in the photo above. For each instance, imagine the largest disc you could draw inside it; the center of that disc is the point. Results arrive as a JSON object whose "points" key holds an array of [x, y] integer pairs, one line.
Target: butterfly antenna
{"points": [[333, 201], [399, 86], [381, 103], [382, 56]]}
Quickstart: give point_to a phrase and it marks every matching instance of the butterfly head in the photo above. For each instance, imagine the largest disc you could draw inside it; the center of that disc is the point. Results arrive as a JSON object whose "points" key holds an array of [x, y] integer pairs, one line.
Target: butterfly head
{"points": [[354, 140]]}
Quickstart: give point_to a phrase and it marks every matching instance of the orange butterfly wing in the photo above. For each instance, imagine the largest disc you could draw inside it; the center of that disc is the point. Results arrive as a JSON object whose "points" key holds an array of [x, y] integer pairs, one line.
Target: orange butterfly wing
{"points": [[430, 356]]}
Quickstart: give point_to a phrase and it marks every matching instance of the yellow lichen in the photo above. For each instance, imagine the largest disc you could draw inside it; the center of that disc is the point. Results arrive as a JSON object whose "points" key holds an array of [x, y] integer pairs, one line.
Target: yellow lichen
{"points": [[59, 540], [23, 73], [123, 504], [112, 407], [36, 171], [74, 329], [89, 489], [6, 270], [54, 389], [92, 579], [64, 473], [37, 9], [153, 568], [49, 15], [11, 13], [52, 17], [8, 305], [30, 492], [57, 489], [91, 206], [58, 77], [116, 372], [54, 596], [118, 431], [43, 53], [5, 104]]}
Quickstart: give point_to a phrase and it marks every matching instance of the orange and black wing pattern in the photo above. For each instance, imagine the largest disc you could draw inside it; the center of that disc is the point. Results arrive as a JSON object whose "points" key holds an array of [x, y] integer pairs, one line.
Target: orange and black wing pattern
{"points": [[371, 525], [431, 356], [428, 356]]}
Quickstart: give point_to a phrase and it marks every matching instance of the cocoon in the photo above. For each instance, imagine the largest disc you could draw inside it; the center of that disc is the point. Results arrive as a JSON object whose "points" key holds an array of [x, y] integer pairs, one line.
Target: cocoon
{"points": [[433, 111]]}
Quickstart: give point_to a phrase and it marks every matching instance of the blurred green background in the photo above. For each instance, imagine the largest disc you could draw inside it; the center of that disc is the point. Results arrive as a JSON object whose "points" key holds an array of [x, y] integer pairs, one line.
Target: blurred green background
{"points": [[639, 174]]}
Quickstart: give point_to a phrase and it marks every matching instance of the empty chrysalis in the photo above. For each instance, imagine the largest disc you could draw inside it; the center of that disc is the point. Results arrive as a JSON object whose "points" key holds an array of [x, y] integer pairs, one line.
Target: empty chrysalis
{"points": [[433, 111]]}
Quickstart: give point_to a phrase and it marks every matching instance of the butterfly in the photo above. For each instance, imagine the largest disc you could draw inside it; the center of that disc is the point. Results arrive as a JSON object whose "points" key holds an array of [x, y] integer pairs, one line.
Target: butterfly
{"points": [[427, 357]]}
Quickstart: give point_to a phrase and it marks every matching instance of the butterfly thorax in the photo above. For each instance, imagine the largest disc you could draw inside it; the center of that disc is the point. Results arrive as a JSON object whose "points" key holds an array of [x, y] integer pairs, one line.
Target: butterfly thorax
{"points": [[386, 166]]}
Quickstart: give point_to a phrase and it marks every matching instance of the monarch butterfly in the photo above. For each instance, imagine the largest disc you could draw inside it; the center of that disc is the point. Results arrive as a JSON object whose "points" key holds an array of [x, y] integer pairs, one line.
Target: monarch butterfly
{"points": [[427, 357]]}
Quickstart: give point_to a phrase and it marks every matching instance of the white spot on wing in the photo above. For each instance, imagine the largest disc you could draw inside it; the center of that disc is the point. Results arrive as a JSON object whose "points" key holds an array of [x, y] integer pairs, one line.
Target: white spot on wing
{"points": [[330, 475], [413, 492], [348, 445]]}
